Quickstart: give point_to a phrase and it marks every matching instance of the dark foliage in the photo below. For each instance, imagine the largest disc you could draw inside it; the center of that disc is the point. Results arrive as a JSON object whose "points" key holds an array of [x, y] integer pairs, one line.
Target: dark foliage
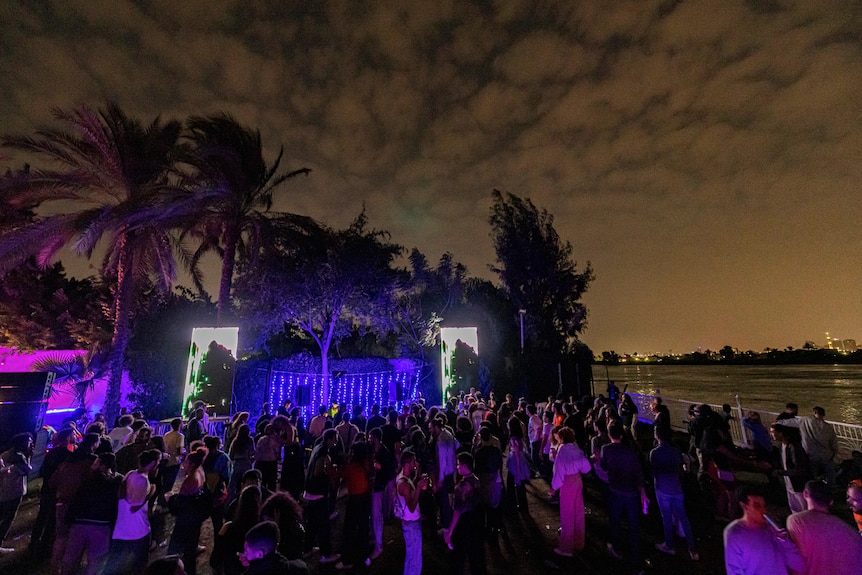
{"points": [[538, 272], [158, 353], [44, 309]]}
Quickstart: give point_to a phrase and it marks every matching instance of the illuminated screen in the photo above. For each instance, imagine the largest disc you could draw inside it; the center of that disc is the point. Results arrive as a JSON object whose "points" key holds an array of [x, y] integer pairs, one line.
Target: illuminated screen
{"points": [[449, 343], [209, 376]]}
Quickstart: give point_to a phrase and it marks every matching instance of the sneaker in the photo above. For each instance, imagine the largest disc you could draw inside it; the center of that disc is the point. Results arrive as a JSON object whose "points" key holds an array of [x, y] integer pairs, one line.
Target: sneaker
{"points": [[613, 552], [665, 549], [695, 556], [341, 566], [562, 553], [330, 558], [378, 551]]}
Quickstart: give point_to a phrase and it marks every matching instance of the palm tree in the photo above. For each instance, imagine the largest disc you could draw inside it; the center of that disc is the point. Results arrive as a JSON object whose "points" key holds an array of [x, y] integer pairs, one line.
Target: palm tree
{"points": [[235, 188], [74, 373], [111, 177]]}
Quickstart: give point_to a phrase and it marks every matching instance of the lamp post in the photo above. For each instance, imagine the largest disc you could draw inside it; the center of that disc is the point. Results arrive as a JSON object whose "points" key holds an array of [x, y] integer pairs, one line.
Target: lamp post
{"points": [[522, 313]]}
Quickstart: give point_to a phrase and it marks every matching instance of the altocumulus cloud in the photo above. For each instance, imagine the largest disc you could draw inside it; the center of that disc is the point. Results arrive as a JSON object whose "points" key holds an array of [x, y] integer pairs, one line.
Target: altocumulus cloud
{"points": [[703, 155]]}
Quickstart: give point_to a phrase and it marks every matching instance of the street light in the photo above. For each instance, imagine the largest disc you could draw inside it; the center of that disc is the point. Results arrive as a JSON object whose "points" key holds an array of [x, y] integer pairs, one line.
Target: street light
{"points": [[522, 313]]}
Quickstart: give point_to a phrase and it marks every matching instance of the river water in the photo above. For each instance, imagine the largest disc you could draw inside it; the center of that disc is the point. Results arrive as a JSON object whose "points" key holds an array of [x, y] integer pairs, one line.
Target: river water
{"points": [[835, 388]]}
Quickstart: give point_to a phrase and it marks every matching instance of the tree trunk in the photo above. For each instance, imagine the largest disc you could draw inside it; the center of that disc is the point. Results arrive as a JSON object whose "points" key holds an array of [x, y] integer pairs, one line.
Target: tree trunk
{"points": [[122, 332], [325, 343], [324, 373], [227, 265]]}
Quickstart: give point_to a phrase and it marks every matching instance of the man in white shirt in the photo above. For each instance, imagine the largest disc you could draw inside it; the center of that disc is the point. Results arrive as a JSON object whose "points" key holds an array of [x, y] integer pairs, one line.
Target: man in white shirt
{"points": [[130, 543], [175, 446], [534, 434]]}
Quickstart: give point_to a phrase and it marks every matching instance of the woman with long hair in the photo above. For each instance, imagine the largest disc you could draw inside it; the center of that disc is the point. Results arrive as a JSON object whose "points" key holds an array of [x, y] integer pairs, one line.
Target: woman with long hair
{"points": [[284, 510], [228, 543], [518, 467], [241, 453], [292, 466], [230, 432], [190, 507]]}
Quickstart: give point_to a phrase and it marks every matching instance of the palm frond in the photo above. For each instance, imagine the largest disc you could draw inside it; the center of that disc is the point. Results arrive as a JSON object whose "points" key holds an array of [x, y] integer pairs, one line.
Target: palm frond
{"points": [[66, 367], [189, 261], [50, 233]]}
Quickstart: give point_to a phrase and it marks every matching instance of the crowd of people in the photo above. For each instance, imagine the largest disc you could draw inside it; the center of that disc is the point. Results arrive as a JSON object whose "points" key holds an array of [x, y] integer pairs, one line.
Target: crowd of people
{"points": [[270, 482]]}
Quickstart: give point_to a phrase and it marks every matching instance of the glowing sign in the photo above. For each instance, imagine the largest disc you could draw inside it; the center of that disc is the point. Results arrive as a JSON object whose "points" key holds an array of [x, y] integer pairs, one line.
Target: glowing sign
{"points": [[449, 338]]}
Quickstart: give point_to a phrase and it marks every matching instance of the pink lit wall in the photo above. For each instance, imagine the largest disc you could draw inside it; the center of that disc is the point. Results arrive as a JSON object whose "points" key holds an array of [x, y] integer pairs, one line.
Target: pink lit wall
{"points": [[62, 399]]}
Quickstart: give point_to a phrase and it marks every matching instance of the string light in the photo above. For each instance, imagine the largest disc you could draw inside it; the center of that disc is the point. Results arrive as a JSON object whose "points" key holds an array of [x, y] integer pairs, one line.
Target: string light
{"points": [[366, 389]]}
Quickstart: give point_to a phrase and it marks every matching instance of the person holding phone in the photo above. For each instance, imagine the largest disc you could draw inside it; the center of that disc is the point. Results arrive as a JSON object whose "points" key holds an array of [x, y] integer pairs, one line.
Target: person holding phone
{"points": [[754, 547]]}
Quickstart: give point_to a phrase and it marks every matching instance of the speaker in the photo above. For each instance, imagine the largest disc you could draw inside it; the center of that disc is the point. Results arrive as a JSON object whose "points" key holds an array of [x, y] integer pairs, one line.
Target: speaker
{"points": [[23, 402], [303, 395]]}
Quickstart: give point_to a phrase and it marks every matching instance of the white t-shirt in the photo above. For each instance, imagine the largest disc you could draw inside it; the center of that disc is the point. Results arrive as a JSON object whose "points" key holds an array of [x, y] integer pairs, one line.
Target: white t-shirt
{"points": [[118, 437], [132, 520], [174, 441]]}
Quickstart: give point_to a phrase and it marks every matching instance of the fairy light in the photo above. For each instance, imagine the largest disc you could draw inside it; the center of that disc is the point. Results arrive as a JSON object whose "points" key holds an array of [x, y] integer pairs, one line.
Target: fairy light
{"points": [[365, 388]]}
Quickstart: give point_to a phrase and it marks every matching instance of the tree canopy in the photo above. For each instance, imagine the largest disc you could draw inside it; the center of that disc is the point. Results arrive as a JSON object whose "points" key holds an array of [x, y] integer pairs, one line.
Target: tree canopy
{"points": [[112, 175], [538, 272], [233, 188], [338, 281]]}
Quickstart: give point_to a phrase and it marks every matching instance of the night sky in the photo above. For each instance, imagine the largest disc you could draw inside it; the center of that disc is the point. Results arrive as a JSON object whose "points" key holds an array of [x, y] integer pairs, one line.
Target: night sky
{"points": [[704, 156]]}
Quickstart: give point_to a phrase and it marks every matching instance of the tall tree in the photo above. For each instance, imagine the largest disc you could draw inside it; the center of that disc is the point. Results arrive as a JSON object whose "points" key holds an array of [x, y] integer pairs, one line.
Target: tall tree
{"points": [[110, 176], [538, 272], [341, 281], [235, 187]]}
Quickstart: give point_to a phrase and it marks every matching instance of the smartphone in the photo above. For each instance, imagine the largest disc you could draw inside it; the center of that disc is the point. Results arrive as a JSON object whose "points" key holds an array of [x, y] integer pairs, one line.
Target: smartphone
{"points": [[772, 523]]}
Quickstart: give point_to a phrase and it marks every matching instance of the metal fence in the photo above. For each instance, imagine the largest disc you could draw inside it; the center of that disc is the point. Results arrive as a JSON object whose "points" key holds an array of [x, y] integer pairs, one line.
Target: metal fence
{"points": [[849, 435]]}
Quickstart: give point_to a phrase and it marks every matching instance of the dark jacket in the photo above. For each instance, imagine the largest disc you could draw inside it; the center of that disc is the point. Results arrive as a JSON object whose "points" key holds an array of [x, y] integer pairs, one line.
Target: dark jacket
{"points": [[96, 500], [277, 564], [796, 467]]}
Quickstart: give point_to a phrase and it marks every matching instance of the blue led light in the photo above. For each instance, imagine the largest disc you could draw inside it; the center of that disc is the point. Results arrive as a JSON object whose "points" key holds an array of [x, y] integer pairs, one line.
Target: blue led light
{"points": [[364, 389]]}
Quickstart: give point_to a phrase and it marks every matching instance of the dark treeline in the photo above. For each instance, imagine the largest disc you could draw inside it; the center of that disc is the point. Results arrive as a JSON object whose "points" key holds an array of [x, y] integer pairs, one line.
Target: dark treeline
{"points": [[728, 356]]}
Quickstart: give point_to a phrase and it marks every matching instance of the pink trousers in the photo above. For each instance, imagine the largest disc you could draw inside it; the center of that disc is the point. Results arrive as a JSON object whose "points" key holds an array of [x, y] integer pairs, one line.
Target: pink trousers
{"points": [[572, 523]]}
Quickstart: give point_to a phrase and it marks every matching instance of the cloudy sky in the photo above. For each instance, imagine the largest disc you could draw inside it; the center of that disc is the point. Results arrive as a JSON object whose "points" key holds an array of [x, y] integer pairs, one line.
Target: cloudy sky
{"points": [[703, 156]]}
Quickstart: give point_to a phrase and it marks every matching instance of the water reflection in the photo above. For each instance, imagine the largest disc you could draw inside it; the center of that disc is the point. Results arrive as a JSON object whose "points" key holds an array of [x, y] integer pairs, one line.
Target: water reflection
{"points": [[836, 388]]}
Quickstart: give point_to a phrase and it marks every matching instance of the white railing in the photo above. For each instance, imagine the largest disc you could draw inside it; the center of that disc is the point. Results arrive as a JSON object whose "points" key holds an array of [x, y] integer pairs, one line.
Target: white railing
{"points": [[849, 435]]}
